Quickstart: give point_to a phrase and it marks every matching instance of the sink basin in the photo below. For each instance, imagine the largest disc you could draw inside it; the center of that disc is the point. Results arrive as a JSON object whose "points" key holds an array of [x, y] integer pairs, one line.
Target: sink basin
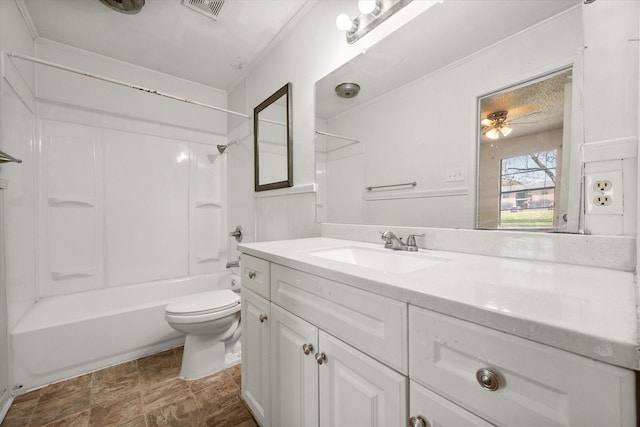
{"points": [[389, 261]]}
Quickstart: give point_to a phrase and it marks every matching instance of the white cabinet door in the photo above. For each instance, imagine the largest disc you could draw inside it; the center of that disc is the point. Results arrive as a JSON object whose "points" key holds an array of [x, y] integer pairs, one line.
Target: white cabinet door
{"points": [[294, 371], [255, 355], [435, 411], [356, 390]]}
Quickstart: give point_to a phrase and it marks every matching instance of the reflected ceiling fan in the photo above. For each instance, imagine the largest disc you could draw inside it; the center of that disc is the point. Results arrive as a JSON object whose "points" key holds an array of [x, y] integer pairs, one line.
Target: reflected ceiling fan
{"points": [[496, 124]]}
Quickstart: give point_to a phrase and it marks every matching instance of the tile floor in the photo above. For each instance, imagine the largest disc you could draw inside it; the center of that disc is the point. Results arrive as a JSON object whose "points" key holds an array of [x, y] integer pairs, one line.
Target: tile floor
{"points": [[145, 392]]}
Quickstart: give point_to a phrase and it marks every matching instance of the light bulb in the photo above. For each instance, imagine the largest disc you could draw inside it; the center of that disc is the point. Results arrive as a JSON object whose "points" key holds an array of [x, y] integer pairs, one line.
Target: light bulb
{"points": [[506, 130], [343, 22], [366, 6], [486, 122], [492, 134]]}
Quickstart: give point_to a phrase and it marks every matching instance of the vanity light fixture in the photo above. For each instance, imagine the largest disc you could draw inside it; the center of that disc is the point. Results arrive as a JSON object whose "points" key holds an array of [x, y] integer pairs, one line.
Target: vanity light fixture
{"points": [[372, 14], [495, 124]]}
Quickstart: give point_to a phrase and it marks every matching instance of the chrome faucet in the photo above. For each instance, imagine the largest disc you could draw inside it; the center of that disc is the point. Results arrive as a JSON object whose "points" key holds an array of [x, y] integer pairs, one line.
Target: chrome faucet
{"points": [[393, 242], [235, 263]]}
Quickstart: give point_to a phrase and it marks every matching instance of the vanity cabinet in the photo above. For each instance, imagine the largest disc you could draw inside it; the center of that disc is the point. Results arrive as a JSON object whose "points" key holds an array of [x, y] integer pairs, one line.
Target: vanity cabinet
{"points": [[357, 390], [256, 340], [330, 354], [255, 275], [510, 381], [427, 409], [372, 323], [294, 370], [316, 378]]}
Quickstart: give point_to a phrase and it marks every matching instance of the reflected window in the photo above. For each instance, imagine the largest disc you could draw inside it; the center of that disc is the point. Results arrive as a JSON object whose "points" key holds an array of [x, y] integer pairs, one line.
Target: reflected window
{"points": [[524, 154], [527, 190]]}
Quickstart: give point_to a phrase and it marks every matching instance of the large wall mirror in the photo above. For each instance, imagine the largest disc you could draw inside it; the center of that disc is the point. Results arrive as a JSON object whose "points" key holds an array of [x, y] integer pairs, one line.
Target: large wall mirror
{"points": [[273, 142], [408, 139]]}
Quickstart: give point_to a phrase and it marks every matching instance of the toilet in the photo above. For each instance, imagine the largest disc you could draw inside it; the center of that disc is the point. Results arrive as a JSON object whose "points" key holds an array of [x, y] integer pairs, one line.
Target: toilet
{"points": [[211, 323]]}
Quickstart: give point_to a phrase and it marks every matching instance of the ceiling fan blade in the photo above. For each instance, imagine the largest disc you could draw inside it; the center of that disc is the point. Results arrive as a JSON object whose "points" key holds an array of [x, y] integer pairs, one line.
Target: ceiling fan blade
{"points": [[523, 123]]}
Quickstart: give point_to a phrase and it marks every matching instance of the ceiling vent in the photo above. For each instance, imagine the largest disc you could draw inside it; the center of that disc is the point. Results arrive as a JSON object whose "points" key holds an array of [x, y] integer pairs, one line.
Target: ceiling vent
{"points": [[210, 8]]}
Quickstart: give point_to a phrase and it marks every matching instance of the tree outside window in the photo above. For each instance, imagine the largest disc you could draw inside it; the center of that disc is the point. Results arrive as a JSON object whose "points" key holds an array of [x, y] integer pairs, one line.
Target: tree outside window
{"points": [[527, 190]]}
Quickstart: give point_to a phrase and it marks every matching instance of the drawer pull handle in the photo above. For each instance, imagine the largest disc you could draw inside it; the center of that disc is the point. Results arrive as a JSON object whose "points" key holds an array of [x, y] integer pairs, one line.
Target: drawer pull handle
{"points": [[307, 348], [252, 274], [488, 379], [418, 422], [263, 318], [321, 358]]}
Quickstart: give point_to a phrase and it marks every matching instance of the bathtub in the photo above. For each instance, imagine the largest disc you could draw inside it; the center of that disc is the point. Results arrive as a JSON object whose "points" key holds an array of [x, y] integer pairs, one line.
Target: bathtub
{"points": [[68, 335]]}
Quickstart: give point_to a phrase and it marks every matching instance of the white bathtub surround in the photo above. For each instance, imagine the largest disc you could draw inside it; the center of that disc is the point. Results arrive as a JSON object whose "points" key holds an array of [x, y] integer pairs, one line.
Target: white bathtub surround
{"points": [[613, 252], [69, 335], [560, 305]]}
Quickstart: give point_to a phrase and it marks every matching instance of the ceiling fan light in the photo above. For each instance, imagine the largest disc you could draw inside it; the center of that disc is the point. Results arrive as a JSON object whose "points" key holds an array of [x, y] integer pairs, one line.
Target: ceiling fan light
{"points": [[506, 130], [486, 122], [492, 134]]}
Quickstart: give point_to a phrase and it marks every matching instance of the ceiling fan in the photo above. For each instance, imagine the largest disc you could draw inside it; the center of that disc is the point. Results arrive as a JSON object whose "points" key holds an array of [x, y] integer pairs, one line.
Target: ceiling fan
{"points": [[496, 124]]}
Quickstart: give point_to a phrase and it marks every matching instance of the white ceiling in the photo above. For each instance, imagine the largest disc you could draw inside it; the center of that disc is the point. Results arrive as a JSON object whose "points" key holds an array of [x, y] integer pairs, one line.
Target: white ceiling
{"points": [[169, 37]]}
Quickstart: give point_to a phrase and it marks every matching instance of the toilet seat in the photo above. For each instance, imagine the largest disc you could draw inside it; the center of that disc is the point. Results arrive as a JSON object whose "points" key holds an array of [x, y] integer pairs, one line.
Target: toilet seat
{"points": [[203, 306]]}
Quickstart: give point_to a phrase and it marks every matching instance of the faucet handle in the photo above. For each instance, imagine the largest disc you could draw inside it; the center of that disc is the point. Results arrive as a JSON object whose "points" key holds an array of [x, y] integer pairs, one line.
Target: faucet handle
{"points": [[411, 241]]}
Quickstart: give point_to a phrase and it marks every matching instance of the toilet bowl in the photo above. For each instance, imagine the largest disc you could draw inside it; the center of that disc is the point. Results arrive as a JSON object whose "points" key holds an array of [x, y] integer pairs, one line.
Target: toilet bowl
{"points": [[211, 323]]}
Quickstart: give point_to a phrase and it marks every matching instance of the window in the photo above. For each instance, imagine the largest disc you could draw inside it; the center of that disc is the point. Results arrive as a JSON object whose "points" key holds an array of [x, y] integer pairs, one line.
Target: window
{"points": [[527, 190]]}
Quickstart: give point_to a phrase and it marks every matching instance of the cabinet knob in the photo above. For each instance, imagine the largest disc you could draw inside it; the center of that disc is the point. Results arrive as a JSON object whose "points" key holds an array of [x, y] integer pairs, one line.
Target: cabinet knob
{"points": [[252, 274], [307, 348], [321, 358], [263, 318], [418, 422], [488, 379]]}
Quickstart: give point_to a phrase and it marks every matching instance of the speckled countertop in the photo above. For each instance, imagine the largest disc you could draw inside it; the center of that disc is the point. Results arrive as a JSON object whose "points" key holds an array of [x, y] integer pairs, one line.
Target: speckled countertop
{"points": [[584, 310]]}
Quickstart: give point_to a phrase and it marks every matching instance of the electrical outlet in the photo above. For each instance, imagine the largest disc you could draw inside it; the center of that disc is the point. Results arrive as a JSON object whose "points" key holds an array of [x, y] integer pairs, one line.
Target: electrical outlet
{"points": [[602, 185], [602, 200], [604, 193]]}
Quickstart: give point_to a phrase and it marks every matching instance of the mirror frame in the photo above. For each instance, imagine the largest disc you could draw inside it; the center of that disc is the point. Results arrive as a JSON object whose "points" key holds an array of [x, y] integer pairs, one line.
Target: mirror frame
{"points": [[284, 90]]}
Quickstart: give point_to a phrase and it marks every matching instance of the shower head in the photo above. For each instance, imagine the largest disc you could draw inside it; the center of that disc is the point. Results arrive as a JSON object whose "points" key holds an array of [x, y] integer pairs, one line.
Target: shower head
{"points": [[222, 147]]}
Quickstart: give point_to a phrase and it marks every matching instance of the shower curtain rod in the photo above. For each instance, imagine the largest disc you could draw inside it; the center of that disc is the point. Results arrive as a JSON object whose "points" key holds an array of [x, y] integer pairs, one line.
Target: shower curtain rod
{"points": [[121, 83]]}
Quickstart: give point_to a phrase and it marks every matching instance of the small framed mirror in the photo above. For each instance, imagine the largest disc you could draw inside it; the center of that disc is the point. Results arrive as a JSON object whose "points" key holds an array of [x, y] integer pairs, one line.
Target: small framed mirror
{"points": [[273, 141]]}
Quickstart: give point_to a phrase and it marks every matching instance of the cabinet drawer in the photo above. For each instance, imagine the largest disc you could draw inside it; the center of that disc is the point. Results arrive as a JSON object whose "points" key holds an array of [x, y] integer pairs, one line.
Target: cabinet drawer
{"points": [[255, 274], [437, 411], [537, 385], [371, 323]]}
